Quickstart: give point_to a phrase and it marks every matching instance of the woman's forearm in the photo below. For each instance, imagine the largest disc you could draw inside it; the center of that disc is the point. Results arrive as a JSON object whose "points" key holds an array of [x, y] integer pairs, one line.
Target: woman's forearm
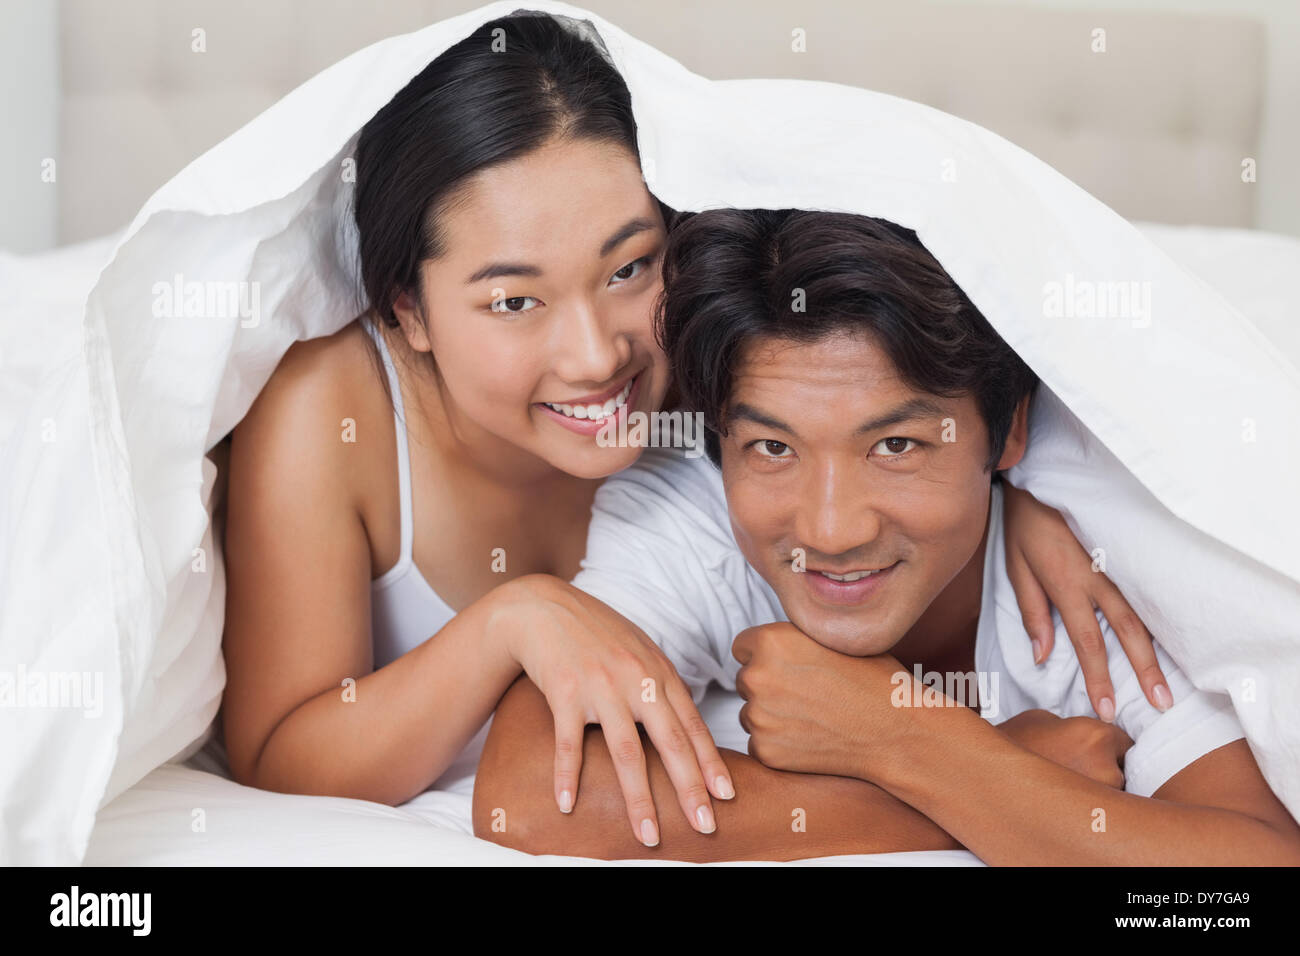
{"points": [[386, 736], [774, 815]]}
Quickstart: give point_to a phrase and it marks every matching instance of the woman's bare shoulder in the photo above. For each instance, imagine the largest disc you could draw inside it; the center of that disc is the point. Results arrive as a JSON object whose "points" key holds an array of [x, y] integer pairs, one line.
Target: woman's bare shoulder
{"points": [[324, 373], [323, 399]]}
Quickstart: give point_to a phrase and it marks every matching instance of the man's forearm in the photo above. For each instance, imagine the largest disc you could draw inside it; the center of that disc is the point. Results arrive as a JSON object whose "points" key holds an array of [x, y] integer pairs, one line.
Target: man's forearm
{"points": [[774, 816], [1015, 807]]}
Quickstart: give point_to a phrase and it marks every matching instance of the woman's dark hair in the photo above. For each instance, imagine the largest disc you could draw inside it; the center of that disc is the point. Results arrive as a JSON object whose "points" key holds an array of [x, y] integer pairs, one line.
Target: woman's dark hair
{"points": [[511, 86], [730, 277]]}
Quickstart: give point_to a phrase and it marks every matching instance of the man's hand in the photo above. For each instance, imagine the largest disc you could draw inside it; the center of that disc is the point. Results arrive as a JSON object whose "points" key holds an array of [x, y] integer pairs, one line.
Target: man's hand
{"points": [[1085, 745], [810, 709]]}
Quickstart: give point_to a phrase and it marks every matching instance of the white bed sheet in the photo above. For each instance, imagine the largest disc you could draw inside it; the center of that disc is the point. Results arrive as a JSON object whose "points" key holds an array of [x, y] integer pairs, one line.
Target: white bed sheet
{"points": [[155, 822]]}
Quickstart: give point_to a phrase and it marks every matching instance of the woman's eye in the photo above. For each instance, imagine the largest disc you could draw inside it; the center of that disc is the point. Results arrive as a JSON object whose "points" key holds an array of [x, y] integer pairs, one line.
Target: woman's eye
{"points": [[769, 448], [630, 270], [513, 304], [893, 447]]}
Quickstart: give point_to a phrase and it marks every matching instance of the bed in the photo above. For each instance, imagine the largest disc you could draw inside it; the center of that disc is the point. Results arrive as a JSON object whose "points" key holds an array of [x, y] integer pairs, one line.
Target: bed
{"points": [[189, 812], [150, 786]]}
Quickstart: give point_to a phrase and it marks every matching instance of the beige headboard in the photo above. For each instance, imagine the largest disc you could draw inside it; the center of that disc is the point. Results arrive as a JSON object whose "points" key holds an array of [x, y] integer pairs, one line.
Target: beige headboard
{"points": [[1157, 126]]}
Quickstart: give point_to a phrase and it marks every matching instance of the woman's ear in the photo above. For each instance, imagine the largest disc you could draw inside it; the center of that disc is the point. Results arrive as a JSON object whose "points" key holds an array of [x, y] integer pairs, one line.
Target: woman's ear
{"points": [[410, 316], [1017, 437]]}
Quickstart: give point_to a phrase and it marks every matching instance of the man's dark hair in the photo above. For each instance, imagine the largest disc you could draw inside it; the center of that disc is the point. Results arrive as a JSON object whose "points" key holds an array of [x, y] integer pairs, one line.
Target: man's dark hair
{"points": [[730, 277]]}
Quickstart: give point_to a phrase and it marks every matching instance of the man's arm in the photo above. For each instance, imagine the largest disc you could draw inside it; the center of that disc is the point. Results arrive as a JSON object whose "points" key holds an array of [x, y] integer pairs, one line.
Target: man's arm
{"points": [[775, 815], [1017, 808], [867, 718]]}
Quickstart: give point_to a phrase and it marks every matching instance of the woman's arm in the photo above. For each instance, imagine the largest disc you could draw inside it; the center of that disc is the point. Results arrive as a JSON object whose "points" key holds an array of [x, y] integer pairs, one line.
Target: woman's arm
{"points": [[1048, 567], [778, 815], [304, 710], [774, 816]]}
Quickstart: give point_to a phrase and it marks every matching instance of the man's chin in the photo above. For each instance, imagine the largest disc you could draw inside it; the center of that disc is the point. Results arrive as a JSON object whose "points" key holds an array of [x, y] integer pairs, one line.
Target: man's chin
{"points": [[853, 636]]}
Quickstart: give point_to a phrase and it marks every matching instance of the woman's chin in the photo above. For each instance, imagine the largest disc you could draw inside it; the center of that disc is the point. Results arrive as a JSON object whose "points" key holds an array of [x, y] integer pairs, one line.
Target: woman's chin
{"points": [[596, 463]]}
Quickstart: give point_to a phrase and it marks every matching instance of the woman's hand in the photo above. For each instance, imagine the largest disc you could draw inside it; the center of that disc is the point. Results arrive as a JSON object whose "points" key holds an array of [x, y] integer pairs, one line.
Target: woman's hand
{"points": [[596, 667], [1047, 564]]}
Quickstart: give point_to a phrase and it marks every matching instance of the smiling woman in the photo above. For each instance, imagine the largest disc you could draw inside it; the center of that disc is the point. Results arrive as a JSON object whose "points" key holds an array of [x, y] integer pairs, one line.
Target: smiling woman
{"points": [[383, 528]]}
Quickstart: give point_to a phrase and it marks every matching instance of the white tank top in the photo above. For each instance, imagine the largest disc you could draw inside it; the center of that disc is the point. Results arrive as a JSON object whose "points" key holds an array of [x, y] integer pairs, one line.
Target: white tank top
{"points": [[404, 610]]}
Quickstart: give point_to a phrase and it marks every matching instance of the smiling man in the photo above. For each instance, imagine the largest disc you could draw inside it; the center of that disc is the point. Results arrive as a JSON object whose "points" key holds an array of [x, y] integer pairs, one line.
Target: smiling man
{"points": [[860, 409]]}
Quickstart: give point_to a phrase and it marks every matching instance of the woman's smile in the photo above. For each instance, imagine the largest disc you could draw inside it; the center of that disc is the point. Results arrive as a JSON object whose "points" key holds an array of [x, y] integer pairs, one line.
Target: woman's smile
{"points": [[588, 414]]}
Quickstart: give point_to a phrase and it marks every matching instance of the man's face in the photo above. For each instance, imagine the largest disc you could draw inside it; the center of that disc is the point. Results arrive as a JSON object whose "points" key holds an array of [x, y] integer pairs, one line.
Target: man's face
{"points": [[830, 455]]}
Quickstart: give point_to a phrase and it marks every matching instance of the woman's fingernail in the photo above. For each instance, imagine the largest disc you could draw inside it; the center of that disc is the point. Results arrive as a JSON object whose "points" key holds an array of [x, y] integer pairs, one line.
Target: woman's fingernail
{"points": [[1038, 651], [649, 832], [1163, 699], [705, 818], [1106, 709], [566, 802], [723, 786]]}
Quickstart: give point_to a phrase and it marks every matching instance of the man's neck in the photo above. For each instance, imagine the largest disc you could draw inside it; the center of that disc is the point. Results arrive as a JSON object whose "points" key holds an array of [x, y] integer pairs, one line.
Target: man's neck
{"points": [[943, 637]]}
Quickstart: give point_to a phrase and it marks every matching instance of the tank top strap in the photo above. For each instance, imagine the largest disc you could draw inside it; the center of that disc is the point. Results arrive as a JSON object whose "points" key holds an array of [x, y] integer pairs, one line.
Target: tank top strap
{"points": [[403, 451]]}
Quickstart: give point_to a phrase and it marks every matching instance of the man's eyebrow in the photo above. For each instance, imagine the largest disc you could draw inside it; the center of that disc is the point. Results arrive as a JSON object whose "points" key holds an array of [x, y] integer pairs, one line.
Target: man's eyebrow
{"points": [[494, 270], [910, 410], [749, 413]]}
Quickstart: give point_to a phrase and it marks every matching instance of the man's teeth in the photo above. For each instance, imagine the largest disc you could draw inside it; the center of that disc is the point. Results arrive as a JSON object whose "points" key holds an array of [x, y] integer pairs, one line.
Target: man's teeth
{"points": [[595, 412], [851, 576]]}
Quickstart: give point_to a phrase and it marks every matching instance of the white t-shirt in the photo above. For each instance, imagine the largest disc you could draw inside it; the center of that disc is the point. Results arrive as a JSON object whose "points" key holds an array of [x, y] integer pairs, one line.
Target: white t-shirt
{"points": [[661, 552]]}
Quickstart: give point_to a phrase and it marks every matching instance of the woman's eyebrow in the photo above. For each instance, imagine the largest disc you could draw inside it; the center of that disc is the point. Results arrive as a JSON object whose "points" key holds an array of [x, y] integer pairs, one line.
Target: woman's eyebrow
{"points": [[495, 270], [627, 231]]}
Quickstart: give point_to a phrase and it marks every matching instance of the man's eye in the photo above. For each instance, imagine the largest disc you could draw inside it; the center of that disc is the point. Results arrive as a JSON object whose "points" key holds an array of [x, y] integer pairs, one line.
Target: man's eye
{"points": [[630, 270], [513, 304], [893, 447], [769, 448]]}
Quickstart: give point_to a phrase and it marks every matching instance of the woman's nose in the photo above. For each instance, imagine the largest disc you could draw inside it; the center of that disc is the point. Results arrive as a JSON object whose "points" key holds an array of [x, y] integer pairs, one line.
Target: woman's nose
{"points": [[590, 349]]}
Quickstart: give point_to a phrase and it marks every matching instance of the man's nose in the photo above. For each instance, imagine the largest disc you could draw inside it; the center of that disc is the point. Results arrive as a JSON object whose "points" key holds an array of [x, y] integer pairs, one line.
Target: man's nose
{"points": [[588, 349], [836, 513]]}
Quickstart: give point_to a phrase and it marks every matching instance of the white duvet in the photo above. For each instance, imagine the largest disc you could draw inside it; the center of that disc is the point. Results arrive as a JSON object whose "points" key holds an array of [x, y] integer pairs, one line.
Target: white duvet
{"points": [[1168, 435]]}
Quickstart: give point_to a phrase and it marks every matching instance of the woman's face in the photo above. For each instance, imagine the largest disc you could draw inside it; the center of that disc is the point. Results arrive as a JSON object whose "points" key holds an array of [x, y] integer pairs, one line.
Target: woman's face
{"points": [[539, 311]]}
